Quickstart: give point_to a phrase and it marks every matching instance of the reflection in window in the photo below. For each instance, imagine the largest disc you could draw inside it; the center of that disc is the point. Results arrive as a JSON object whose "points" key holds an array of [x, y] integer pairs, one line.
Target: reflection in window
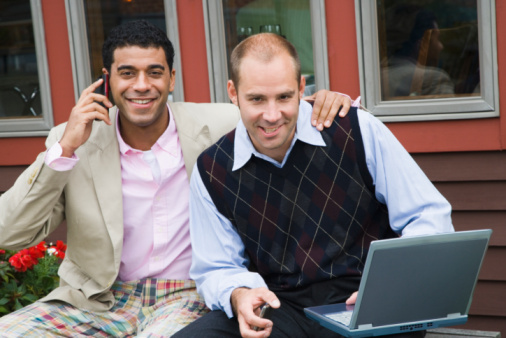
{"points": [[104, 15], [288, 18], [428, 51], [19, 80]]}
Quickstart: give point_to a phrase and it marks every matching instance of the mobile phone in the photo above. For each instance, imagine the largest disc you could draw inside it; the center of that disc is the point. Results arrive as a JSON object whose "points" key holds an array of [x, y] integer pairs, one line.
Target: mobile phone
{"points": [[104, 88], [265, 312]]}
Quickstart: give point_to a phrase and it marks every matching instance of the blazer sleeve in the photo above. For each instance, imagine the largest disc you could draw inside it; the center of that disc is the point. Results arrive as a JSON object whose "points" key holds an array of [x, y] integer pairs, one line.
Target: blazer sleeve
{"points": [[34, 206]]}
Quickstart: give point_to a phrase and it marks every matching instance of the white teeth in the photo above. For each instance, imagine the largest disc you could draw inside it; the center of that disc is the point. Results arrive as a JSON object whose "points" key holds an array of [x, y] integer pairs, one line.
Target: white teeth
{"points": [[270, 130], [141, 101]]}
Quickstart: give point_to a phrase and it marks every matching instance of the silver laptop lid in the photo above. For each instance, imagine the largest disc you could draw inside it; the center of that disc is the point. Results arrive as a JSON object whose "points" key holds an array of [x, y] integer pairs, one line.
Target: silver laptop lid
{"points": [[419, 278]]}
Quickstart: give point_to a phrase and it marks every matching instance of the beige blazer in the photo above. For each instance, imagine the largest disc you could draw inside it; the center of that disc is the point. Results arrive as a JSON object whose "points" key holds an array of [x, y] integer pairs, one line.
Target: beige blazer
{"points": [[89, 198]]}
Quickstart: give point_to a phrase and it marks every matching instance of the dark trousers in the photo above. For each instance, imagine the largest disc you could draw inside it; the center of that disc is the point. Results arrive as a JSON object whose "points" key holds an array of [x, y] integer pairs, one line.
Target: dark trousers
{"points": [[287, 324], [289, 320]]}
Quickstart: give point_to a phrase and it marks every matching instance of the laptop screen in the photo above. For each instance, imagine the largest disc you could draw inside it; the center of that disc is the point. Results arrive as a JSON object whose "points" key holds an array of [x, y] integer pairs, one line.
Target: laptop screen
{"points": [[412, 279]]}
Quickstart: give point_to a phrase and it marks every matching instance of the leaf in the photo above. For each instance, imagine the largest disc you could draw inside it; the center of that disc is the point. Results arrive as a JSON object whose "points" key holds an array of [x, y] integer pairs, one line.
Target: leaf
{"points": [[47, 283], [4, 301], [17, 305], [30, 297], [22, 289]]}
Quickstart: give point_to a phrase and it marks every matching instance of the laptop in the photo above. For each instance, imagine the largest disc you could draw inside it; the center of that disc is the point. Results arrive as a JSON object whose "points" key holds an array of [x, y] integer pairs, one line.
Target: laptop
{"points": [[410, 284]]}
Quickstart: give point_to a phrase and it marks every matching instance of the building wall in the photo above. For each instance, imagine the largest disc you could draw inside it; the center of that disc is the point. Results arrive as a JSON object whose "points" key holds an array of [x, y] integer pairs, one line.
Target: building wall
{"points": [[475, 185]]}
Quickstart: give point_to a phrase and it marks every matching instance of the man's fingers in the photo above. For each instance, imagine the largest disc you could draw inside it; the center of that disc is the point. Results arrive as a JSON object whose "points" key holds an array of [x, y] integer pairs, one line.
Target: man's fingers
{"points": [[89, 90], [99, 112], [247, 304], [101, 98], [89, 95], [248, 327], [92, 111], [326, 106], [309, 98], [345, 102], [319, 110], [353, 298]]}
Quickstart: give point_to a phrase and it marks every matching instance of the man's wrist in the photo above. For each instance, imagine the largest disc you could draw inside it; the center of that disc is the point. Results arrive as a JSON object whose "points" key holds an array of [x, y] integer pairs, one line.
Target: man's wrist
{"points": [[234, 296], [66, 151]]}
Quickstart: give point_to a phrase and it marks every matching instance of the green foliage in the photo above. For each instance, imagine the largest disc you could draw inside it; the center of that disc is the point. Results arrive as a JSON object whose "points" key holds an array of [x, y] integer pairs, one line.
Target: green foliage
{"points": [[20, 284]]}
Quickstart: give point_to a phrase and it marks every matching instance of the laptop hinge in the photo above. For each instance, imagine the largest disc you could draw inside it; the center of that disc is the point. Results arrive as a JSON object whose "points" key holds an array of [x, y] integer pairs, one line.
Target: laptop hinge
{"points": [[365, 326], [453, 315]]}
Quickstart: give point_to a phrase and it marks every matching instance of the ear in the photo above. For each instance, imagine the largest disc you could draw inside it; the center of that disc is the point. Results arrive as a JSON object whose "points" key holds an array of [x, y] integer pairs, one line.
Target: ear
{"points": [[232, 92], [302, 87], [104, 71], [172, 83]]}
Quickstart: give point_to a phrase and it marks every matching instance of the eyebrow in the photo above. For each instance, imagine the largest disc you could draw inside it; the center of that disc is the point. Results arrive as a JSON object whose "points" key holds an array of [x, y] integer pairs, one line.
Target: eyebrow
{"points": [[288, 93], [254, 95], [129, 67]]}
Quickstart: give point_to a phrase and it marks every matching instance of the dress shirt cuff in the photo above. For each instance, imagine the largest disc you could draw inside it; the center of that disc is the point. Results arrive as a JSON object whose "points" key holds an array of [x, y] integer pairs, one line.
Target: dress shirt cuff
{"points": [[248, 280], [56, 162]]}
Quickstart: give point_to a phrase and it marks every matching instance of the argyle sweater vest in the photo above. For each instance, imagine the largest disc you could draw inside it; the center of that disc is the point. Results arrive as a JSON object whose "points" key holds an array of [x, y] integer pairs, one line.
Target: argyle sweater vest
{"points": [[310, 221]]}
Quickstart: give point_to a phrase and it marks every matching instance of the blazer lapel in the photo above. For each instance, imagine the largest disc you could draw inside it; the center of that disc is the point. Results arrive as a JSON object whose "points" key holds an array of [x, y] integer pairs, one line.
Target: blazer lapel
{"points": [[105, 165]]}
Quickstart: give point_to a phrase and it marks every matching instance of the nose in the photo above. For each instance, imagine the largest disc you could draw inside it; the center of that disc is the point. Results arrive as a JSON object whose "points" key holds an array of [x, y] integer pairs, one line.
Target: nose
{"points": [[141, 83], [272, 113]]}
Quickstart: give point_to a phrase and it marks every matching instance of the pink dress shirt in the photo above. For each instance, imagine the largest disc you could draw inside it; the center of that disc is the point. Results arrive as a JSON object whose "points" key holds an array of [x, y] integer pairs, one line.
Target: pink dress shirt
{"points": [[155, 187]]}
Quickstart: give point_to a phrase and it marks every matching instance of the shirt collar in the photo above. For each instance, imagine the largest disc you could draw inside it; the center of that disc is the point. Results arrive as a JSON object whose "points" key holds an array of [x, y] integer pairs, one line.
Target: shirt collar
{"points": [[165, 141], [305, 132]]}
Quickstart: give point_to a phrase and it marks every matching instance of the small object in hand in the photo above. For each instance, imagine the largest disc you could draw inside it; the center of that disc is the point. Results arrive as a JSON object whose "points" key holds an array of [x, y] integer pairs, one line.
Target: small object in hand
{"points": [[265, 312]]}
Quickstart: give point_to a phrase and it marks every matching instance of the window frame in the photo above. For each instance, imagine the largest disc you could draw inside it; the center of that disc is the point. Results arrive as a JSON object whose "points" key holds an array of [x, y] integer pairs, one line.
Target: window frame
{"points": [[22, 127], [484, 106], [79, 51], [216, 48]]}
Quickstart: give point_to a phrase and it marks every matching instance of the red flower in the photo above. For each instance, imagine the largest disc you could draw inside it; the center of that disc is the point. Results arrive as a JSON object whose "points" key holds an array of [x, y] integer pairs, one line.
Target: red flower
{"points": [[59, 249], [2, 252], [60, 246], [35, 252], [23, 260], [41, 246]]}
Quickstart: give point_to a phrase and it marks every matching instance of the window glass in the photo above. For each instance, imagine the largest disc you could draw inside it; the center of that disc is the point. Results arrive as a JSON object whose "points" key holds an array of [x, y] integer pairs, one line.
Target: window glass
{"points": [[19, 80], [428, 49], [288, 18], [103, 15]]}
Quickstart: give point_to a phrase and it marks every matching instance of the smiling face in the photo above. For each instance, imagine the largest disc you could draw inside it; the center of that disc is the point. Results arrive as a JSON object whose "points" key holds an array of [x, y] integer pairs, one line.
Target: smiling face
{"points": [[140, 82], [268, 97]]}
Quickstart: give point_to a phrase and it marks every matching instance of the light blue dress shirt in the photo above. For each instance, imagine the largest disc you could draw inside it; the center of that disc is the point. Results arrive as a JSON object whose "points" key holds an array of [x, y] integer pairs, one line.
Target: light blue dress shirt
{"points": [[219, 262]]}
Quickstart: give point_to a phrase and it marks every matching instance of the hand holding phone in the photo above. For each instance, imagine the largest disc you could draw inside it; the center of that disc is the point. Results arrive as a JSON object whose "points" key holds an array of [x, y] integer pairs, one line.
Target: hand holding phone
{"points": [[265, 312]]}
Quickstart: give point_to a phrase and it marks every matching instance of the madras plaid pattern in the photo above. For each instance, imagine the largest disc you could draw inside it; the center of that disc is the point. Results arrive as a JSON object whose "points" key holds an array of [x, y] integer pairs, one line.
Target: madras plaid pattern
{"points": [[145, 308], [310, 221]]}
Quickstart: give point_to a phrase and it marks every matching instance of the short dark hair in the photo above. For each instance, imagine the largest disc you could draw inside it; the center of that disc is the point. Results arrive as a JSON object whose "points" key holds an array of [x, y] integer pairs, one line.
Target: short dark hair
{"points": [[139, 33], [264, 46]]}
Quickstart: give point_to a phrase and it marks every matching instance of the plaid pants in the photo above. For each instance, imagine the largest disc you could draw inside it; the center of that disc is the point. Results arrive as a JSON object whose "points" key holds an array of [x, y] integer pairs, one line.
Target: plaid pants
{"points": [[143, 308]]}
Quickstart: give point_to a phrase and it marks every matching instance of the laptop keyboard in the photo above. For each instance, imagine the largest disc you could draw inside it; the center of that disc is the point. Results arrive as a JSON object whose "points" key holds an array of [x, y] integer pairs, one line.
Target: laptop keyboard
{"points": [[342, 317]]}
